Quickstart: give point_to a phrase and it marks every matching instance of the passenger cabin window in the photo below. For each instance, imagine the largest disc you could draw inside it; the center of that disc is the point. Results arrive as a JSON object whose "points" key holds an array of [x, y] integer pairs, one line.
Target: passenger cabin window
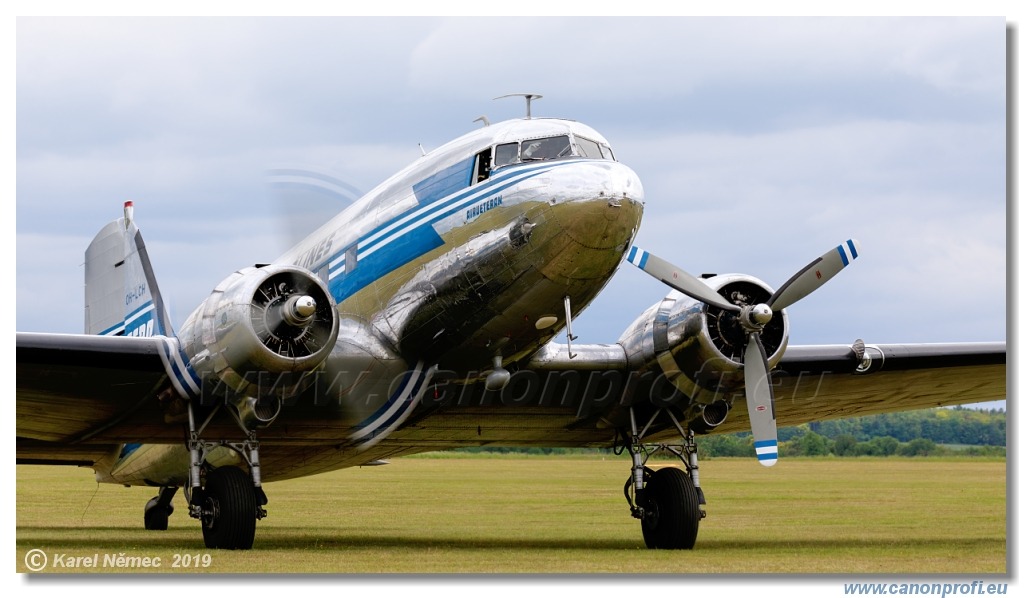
{"points": [[506, 154], [351, 259], [547, 148]]}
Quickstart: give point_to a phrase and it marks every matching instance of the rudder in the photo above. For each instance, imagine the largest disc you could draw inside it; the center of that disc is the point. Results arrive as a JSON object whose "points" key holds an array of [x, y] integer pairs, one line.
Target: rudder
{"points": [[121, 293]]}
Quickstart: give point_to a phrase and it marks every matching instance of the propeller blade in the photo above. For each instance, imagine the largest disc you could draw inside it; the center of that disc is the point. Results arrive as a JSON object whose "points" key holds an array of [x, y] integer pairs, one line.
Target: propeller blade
{"points": [[814, 275], [679, 280], [760, 401]]}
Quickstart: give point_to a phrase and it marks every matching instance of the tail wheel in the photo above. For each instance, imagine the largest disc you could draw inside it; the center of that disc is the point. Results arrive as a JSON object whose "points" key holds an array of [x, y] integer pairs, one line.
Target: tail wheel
{"points": [[671, 510], [159, 508], [230, 509], [156, 515]]}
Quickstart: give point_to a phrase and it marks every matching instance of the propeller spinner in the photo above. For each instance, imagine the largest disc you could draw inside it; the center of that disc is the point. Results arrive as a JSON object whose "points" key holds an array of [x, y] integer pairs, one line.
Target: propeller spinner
{"points": [[760, 396]]}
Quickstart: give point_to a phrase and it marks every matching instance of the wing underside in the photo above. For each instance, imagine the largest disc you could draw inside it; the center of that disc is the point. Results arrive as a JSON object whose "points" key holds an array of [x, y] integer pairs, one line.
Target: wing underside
{"points": [[73, 390], [80, 396], [812, 383]]}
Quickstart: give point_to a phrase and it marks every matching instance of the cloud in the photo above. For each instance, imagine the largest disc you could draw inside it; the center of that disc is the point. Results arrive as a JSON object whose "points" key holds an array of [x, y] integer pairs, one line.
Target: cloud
{"points": [[926, 201], [626, 59], [761, 143]]}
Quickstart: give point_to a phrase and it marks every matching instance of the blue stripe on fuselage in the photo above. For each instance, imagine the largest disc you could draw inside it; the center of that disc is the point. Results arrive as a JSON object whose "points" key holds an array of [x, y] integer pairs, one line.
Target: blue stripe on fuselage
{"points": [[399, 252], [386, 247], [429, 213], [128, 449], [443, 183]]}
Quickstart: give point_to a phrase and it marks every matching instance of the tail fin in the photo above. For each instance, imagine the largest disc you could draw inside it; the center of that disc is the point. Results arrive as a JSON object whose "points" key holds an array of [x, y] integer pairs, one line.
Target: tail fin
{"points": [[121, 294]]}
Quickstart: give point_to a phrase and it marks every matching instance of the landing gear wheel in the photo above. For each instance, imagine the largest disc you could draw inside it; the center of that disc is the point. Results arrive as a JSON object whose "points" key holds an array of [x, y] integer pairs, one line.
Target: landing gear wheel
{"points": [[671, 510], [159, 508], [156, 514], [229, 509]]}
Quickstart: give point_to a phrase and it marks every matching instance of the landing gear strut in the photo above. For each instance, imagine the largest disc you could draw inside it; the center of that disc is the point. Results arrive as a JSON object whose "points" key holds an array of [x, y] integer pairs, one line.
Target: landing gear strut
{"points": [[231, 500], [667, 501]]}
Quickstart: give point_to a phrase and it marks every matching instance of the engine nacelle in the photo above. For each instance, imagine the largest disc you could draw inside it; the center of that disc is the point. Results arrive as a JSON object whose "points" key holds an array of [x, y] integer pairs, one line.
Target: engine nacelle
{"points": [[257, 334], [699, 347]]}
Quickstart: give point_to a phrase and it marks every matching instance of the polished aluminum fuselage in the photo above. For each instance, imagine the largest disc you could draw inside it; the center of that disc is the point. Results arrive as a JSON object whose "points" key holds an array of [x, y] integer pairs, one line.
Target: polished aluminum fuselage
{"points": [[440, 269], [453, 271]]}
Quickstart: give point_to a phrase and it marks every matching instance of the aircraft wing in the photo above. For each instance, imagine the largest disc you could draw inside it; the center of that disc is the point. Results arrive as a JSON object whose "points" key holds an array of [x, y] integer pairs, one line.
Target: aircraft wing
{"points": [[73, 389], [558, 401], [78, 396], [830, 381]]}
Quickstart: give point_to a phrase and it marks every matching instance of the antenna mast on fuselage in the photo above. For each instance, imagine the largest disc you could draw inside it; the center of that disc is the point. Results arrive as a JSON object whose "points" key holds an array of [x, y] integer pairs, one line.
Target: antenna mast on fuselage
{"points": [[529, 98]]}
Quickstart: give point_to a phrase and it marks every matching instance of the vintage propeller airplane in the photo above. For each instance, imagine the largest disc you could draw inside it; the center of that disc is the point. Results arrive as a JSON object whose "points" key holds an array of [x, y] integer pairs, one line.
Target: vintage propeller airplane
{"points": [[422, 318]]}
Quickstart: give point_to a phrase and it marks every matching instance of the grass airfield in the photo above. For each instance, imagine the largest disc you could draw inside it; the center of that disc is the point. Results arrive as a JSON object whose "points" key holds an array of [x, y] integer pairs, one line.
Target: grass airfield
{"points": [[512, 515]]}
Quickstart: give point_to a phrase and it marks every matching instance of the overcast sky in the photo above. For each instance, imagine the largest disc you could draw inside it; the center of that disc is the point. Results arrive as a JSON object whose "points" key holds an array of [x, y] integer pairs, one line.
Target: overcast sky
{"points": [[761, 143]]}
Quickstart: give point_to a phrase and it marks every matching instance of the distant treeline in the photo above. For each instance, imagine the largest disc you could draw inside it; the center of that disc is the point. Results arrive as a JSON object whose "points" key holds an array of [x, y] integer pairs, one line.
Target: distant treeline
{"points": [[958, 425], [957, 431], [812, 444]]}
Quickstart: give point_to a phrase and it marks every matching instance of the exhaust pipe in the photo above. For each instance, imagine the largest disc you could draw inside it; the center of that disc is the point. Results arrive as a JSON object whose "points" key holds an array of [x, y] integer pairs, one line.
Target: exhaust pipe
{"points": [[711, 417]]}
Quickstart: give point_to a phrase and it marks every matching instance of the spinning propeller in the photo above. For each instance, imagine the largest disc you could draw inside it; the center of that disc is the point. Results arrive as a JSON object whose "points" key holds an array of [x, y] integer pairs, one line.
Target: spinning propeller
{"points": [[759, 393]]}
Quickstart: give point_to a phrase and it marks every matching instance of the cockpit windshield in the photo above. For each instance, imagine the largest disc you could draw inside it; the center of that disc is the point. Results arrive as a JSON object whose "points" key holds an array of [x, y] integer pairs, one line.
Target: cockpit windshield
{"points": [[547, 148], [550, 148], [588, 148]]}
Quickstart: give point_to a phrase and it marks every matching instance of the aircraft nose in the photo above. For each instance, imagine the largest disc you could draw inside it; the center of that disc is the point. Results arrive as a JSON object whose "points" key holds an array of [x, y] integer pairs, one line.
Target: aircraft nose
{"points": [[610, 181], [603, 208]]}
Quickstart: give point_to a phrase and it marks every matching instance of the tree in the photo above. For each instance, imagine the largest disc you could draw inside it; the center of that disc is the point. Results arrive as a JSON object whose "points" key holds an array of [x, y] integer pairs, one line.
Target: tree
{"points": [[813, 444], [919, 447], [886, 445], [844, 445]]}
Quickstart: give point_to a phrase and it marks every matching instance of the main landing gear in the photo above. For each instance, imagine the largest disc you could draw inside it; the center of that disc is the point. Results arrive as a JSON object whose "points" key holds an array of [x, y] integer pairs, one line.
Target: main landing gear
{"points": [[667, 501], [227, 500], [231, 500]]}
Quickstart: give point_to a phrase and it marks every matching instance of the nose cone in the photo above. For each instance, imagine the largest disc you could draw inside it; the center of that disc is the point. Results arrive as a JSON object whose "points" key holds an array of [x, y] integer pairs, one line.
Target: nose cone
{"points": [[590, 215], [600, 206]]}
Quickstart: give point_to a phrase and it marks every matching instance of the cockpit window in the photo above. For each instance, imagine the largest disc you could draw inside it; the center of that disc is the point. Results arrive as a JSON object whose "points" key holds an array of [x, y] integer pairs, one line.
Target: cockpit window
{"points": [[505, 154], [550, 148], [588, 148], [547, 148]]}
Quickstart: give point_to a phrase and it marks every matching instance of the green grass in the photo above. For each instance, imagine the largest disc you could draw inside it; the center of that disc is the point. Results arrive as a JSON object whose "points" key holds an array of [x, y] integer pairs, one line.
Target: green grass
{"points": [[556, 515]]}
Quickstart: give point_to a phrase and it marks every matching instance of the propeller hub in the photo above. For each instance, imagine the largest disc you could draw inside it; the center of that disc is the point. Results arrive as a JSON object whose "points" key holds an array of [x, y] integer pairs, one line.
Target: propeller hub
{"points": [[299, 310], [761, 313], [754, 317]]}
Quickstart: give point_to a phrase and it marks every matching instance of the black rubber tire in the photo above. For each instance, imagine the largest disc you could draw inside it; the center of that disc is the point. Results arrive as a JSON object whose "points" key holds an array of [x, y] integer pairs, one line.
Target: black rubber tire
{"points": [[230, 491], [672, 510], [156, 515]]}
